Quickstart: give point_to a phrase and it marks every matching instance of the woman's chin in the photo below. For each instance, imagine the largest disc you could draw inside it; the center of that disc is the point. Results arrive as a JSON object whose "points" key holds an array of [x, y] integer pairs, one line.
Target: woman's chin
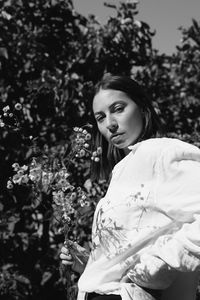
{"points": [[119, 145]]}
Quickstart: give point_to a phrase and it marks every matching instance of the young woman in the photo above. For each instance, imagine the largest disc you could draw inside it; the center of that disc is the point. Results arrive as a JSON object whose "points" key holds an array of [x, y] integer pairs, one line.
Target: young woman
{"points": [[146, 230]]}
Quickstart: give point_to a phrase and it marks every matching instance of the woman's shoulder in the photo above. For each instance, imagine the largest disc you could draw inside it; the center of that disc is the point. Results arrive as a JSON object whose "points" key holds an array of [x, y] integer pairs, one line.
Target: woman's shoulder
{"points": [[155, 147], [166, 142], [166, 146], [162, 150]]}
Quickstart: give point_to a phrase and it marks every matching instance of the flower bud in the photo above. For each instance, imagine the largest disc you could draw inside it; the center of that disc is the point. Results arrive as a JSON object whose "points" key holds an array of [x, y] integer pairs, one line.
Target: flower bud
{"points": [[18, 106]]}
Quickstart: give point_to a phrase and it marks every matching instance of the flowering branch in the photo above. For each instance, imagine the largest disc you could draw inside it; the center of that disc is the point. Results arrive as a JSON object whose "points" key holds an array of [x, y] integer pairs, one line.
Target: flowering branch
{"points": [[49, 173]]}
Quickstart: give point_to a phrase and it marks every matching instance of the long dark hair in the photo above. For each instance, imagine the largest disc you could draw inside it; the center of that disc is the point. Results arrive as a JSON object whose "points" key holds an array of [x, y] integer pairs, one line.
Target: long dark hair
{"points": [[151, 122]]}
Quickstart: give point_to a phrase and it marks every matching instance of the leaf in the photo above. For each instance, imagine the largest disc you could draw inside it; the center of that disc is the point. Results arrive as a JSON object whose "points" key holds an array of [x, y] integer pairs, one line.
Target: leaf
{"points": [[46, 277], [5, 15], [12, 221], [88, 185], [4, 52], [1, 206], [22, 279]]}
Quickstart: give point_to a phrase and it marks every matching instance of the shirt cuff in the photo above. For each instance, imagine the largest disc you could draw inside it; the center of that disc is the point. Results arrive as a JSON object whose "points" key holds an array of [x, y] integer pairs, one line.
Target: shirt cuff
{"points": [[175, 255]]}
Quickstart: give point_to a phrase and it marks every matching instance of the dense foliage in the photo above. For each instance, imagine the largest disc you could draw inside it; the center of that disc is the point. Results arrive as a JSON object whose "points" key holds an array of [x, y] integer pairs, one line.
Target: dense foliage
{"points": [[50, 59]]}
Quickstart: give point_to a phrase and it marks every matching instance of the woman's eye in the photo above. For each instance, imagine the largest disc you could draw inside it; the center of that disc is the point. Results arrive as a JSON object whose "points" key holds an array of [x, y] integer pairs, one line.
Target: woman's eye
{"points": [[99, 118], [119, 108]]}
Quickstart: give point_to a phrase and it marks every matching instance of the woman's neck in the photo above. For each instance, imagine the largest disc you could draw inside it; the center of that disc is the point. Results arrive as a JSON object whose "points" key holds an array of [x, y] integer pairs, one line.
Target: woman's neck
{"points": [[126, 151]]}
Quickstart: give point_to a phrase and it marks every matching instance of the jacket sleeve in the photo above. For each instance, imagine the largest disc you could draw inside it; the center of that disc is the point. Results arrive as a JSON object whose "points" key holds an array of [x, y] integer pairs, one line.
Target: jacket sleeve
{"points": [[178, 195]]}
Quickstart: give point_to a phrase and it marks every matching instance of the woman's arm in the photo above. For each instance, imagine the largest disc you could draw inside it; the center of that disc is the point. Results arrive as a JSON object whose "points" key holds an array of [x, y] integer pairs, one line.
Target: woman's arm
{"points": [[177, 195]]}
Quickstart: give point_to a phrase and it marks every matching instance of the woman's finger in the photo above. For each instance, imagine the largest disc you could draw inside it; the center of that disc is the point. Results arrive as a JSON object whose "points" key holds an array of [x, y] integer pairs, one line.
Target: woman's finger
{"points": [[65, 250], [66, 257], [66, 262]]}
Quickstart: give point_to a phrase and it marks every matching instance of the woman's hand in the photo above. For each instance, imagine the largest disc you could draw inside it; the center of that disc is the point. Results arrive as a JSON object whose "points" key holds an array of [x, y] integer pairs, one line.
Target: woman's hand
{"points": [[74, 256], [152, 272]]}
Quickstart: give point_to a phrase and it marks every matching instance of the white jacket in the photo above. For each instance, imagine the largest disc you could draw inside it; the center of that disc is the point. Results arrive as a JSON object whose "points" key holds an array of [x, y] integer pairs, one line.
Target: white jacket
{"points": [[148, 224]]}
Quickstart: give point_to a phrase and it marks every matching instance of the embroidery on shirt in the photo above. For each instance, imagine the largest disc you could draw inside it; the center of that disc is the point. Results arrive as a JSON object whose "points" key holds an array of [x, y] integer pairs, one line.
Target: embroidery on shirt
{"points": [[108, 233], [140, 199]]}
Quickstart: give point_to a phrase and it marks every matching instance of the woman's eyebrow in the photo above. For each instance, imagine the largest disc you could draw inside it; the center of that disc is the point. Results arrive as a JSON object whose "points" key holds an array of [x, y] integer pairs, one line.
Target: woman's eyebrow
{"points": [[116, 102], [111, 106], [98, 113]]}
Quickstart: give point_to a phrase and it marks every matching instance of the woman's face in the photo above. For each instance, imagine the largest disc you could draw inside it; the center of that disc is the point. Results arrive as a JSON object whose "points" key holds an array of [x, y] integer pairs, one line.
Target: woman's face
{"points": [[118, 118]]}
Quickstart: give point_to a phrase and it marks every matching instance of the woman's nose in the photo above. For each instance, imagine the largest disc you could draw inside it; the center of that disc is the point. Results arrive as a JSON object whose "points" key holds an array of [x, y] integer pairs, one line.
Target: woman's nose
{"points": [[112, 126]]}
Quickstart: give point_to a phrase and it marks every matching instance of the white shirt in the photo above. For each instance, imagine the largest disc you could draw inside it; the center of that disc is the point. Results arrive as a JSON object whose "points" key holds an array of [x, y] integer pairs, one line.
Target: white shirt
{"points": [[150, 214]]}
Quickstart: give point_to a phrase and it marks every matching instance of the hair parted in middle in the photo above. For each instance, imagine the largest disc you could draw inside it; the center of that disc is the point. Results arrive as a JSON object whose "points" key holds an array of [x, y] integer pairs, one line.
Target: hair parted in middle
{"points": [[151, 123]]}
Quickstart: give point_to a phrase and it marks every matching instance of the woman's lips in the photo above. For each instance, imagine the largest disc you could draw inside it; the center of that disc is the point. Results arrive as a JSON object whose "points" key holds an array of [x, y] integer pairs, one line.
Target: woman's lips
{"points": [[115, 137]]}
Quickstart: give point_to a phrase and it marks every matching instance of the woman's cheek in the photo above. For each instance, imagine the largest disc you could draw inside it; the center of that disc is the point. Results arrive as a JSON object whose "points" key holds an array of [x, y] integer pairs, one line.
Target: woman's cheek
{"points": [[103, 131]]}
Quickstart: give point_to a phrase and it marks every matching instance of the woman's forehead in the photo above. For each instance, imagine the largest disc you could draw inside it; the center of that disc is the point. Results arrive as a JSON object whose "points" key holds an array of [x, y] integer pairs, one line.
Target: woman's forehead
{"points": [[105, 98]]}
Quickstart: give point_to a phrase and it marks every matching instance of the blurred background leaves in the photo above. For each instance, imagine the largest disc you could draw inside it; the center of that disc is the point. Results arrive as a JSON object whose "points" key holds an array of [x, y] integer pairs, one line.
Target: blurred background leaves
{"points": [[50, 59]]}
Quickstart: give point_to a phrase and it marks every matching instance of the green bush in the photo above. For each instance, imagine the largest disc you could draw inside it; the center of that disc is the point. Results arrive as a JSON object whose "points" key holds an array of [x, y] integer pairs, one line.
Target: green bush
{"points": [[50, 59]]}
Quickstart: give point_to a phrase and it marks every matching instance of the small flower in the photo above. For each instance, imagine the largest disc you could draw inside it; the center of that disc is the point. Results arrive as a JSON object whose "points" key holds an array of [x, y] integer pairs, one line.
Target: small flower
{"points": [[15, 166], [9, 185], [66, 217], [99, 150], [95, 154], [17, 179], [82, 203], [24, 168], [18, 106], [46, 179], [86, 145], [96, 159], [20, 172], [6, 109], [35, 174], [83, 197], [63, 183], [71, 210], [58, 197], [82, 153], [80, 140], [88, 137], [24, 179], [63, 173]]}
